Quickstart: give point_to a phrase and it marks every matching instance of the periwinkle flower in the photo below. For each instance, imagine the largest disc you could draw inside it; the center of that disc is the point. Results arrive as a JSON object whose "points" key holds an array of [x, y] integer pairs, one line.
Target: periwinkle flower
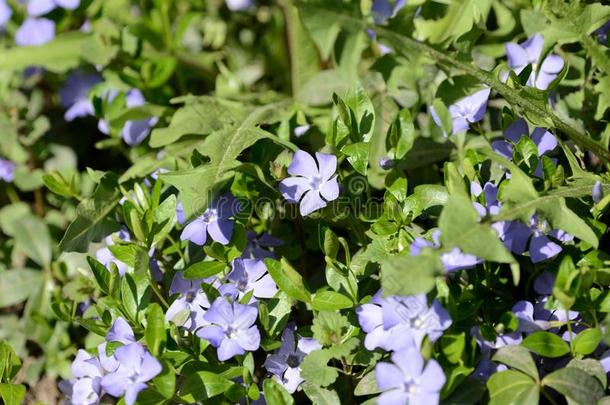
{"points": [[7, 170], [395, 322], [215, 221], [232, 328], [597, 192], [544, 140], [5, 13], [135, 131], [529, 53], [406, 380], [518, 237], [383, 10], [180, 216], [251, 275], [136, 366], [74, 94], [312, 184], [301, 130], [40, 7], [285, 363], [85, 387], [239, 5], [188, 309], [490, 192], [602, 33], [453, 260], [465, 111], [256, 245], [386, 163], [35, 32]]}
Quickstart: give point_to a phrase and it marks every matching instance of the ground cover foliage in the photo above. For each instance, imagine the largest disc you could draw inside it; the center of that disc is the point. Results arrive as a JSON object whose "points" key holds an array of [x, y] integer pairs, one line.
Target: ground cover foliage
{"points": [[304, 201]]}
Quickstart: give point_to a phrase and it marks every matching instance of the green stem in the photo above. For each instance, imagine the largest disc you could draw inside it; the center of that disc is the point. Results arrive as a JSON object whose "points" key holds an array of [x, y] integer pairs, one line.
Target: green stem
{"points": [[510, 94]]}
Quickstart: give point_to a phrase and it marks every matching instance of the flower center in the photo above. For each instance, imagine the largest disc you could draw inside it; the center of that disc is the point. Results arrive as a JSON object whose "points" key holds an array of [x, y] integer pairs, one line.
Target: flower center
{"points": [[316, 182], [210, 215], [293, 361], [242, 284], [190, 296], [417, 323], [410, 387], [231, 332]]}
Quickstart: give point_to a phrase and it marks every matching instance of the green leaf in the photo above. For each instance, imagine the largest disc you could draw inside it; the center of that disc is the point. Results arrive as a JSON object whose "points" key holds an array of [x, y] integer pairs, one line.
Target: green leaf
{"points": [[367, 385], [328, 327], [58, 56], [202, 116], [202, 385], [204, 269], [420, 270], [155, 329], [18, 285], [33, 237], [358, 156], [319, 395], [9, 362], [575, 384], [93, 220], [587, 341], [275, 394], [315, 369], [460, 227], [197, 185], [12, 394], [518, 358], [330, 300], [164, 219], [512, 387], [101, 273], [166, 382], [461, 17], [288, 279], [546, 344], [592, 367]]}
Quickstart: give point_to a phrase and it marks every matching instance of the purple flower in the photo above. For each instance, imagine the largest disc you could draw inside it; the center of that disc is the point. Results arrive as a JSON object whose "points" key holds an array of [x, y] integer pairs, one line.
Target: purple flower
{"points": [[490, 192], [7, 170], [136, 366], [34, 32], [85, 387], [232, 330], [286, 361], [597, 192], [528, 53], [120, 331], [255, 246], [251, 275], [180, 217], [239, 5], [383, 10], [602, 33], [312, 184], [74, 95], [40, 7], [134, 132], [105, 256], [465, 111], [301, 130], [214, 221], [395, 322], [517, 237], [386, 163], [188, 309], [406, 380], [544, 140], [452, 261], [5, 13]]}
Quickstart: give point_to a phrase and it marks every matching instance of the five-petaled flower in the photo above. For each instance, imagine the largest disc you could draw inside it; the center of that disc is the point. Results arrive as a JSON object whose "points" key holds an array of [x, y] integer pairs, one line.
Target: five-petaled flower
{"points": [[406, 380], [529, 53], [312, 184], [215, 221], [188, 308], [74, 94], [251, 275], [232, 328], [285, 363]]}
